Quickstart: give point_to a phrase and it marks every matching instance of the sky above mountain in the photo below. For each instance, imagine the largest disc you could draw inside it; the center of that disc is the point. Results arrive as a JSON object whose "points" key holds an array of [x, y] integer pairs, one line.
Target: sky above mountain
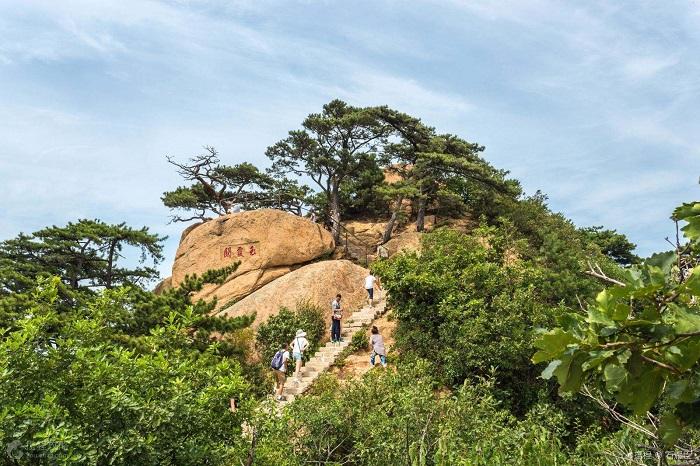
{"points": [[595, 104]]}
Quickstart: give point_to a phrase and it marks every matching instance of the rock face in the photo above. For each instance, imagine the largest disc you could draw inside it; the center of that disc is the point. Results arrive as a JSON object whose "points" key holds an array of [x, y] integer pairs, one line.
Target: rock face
{"points": [[367, 235], [318, 282], [269, 243], [362, 238], [406, 241], [163, 286]]}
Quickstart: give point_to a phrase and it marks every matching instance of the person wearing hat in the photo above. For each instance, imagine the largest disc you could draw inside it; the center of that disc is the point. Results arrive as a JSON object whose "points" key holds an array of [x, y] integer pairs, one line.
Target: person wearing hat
{"points": [[299, 345]]}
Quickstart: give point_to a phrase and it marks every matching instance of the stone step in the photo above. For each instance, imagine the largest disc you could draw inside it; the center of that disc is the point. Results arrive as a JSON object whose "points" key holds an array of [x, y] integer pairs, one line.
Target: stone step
{"points": [[309, 371], [324, 356], [352, 326], [324, 359], [318, 365], [362, 320], [333, 347], [362, 317], [295, 390], [327, 354]]}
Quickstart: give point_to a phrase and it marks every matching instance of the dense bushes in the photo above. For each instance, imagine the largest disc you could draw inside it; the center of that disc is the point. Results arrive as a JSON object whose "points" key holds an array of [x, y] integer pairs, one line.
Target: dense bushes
{"points": [[465, 305], [281, 328], [472, 303], [402, 417], [359, 340], [69, 395]]}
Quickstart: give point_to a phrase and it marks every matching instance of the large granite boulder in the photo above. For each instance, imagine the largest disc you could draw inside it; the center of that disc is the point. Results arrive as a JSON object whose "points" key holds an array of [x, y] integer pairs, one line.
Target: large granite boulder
{"points": [[318, 283], [269, 243], [406, 241]]}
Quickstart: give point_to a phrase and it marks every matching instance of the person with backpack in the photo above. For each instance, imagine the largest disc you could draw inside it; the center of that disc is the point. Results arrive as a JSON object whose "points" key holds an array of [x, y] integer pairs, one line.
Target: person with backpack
{"points": [[299, 345], [279, 367], [377, 343], [336, 317], [370, 282]]}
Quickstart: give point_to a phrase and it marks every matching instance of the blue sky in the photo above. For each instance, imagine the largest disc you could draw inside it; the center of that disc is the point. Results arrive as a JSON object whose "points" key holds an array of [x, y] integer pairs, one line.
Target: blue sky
{"points": [[594, 103]]}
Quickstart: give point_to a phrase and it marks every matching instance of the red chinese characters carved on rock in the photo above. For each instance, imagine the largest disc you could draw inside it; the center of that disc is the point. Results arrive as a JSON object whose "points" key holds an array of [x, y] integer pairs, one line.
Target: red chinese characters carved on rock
{"points": [[228, 252]]}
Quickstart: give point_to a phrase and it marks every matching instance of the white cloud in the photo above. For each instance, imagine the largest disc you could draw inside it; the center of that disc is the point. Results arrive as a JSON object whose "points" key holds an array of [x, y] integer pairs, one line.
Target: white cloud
{"points": [[641, 67], [406, 94], [568, 95]]}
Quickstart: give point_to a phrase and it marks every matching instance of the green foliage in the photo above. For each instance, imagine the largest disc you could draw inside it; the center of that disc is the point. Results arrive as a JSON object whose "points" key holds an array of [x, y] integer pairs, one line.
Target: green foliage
{"points": [[640, 341], [360, 192], [359, 341], [561, 251], [332, 148], [86, 255], [281, 328], [613, 244], [207, 332], [462, 306], [70, 396], [217, 188], [436, 171], [389, 418]]}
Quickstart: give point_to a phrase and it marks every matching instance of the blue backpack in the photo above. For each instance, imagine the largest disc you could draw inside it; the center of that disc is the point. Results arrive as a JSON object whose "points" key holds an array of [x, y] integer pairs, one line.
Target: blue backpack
{"points": [[277, 360]]}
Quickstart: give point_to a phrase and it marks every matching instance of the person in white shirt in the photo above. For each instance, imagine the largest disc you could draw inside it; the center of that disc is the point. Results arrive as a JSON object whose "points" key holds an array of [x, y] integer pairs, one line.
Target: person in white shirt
{"points": [[377, 343], [299, 345], [370, 282]]}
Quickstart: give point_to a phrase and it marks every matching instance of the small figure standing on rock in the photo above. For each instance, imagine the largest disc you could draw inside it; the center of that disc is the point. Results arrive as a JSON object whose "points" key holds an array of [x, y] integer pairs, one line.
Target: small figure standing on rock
{"points": [[377, 343], [370, 282], [279, 367], [299, 345], [336, 317]]}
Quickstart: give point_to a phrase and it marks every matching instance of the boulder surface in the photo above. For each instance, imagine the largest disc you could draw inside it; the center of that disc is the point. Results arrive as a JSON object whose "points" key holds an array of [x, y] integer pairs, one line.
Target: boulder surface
{"points": [[318, 283], [269, 243]]}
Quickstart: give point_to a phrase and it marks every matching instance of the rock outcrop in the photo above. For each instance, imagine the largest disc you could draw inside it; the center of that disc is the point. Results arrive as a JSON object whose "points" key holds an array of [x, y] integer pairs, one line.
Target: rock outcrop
{"points": [[269, 243], [318, 282], [406, 241], [163, 286], [364, 236], [361, 238]]}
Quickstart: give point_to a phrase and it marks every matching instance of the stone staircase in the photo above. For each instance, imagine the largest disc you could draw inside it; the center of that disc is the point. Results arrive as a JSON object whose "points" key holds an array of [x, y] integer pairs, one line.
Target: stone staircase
{"points": [[327, 355]]}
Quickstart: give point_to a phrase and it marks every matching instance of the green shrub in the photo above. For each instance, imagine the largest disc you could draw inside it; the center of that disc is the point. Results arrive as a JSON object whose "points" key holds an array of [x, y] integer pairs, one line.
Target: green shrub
{"points": [[281, 328], [469, 303], [71, 396], [398, 417], [458, 305], [359, 341]]}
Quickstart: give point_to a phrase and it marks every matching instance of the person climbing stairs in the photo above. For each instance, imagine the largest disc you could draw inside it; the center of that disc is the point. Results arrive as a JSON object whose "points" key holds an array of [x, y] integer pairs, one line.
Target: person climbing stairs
{"points": [[324, 358]]}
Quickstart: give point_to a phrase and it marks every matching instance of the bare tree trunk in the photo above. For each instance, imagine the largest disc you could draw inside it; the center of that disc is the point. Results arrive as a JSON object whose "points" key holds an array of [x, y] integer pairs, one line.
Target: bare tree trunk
{"points": [[110, 263], [420, 218], [335, 211], [251, 453], [394, 215]]}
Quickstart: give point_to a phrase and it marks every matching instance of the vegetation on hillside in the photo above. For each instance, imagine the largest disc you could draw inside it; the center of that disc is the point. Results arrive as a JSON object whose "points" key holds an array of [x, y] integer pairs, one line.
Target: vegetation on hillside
{"points": [[509, 350]]}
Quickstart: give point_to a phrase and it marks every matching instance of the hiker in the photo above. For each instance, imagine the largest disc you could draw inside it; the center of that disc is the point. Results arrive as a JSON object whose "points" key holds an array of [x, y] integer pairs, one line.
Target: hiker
{"points": [[370, 281], [299, 345], [336, 317], [377, 343], [279, 367]]}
